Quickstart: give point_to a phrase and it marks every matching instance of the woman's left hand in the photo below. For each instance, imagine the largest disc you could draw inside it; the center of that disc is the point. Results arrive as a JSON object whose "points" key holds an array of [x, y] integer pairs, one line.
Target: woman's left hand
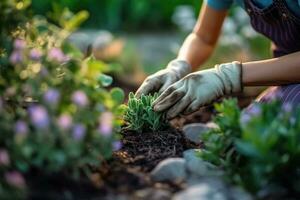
{"points": [[199, 88]]}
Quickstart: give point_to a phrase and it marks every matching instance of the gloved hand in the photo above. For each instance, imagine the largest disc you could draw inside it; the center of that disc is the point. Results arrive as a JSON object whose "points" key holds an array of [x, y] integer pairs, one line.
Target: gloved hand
{"points": [[162, 79], [199, 88]]}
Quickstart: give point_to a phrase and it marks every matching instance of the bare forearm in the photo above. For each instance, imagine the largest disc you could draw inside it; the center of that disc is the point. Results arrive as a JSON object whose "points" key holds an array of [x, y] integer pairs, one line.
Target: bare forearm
{"points": [[195, 51], [277, 71], [200, 44]]}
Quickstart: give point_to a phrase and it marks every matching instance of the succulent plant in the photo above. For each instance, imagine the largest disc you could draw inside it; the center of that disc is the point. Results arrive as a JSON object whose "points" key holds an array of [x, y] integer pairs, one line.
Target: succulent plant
{"points": [[140, 115]]}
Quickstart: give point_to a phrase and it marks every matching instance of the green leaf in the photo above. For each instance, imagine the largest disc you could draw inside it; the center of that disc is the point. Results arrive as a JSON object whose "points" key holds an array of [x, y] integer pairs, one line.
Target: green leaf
{"points": [[105, 80], [117, 95], [76, 20]]}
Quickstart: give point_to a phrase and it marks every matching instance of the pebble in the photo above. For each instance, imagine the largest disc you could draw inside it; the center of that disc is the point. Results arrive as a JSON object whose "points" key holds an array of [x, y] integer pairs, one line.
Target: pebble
{"points": [[203, 191], [153, 194], [194, 131], [171, 169], [198, 167]]}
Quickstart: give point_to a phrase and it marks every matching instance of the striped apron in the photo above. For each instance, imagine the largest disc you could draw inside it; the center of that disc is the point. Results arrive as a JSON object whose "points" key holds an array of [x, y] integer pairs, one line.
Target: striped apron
{"points": [[282, 27]]}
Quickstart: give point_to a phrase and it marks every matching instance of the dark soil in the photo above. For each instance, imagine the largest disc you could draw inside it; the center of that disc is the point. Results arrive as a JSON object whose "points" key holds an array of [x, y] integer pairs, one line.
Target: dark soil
{"points": [[128, 172], [147, 149]]}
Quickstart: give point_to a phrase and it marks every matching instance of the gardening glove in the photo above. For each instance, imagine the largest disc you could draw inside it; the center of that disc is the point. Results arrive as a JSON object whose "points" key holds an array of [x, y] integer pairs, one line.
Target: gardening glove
{"points": [[199, 89], [162, 79]]}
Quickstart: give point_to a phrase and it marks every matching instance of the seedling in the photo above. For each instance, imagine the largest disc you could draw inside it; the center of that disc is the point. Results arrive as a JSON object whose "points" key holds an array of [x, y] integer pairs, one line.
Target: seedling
{"points": [[140, 115]]}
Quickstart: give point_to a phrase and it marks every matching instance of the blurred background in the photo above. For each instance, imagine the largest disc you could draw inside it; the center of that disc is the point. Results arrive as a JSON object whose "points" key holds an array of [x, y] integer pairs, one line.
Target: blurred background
{"points": [[142, 36]]}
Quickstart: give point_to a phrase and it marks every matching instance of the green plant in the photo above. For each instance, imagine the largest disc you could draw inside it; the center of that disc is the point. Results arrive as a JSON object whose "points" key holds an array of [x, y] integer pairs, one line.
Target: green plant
{"points": [[140, 116], [56, 114], [257, 147]]}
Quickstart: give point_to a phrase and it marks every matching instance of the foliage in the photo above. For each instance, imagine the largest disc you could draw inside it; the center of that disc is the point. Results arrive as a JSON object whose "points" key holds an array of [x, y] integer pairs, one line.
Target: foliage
{"points": [[122, 14], [140, 116], [55, 113], [257, 147]]}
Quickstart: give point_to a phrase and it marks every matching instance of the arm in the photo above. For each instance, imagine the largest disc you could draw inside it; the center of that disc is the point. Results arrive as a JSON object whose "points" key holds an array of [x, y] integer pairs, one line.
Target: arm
{"points": [[196, 49], [200, 44], [276, 71]]}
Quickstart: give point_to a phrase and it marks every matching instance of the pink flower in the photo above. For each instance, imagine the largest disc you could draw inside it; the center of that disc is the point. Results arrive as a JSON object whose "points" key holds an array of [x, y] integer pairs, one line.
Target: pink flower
{"points": [[16, 57], [4, 158], [35, 54], [56, 54], [15, 179], [64, 121], [78, 132], [19, 44], [21, 127], [39, 116], [106, 124], [80, 99], [51, 96]]}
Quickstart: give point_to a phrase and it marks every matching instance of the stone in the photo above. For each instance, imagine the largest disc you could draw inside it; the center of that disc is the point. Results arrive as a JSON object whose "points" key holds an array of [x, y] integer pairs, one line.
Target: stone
{"points": [[203, 191], [170, 169], [238, 193], [194, 131], [153, 194], [196, 166]]}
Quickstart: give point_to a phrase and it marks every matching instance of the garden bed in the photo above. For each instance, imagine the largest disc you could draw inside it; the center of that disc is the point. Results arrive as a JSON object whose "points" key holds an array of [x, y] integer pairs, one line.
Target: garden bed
{"points": [[128, 171]]}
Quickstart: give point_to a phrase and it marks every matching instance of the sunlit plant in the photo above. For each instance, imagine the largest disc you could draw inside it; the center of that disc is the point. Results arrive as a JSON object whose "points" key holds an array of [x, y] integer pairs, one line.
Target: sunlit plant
{"points": [[140, 115]]}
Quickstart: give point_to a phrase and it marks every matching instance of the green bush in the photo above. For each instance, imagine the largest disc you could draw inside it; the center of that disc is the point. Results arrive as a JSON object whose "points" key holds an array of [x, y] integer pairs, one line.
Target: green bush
{"points": [[55, 113], [259, 148], [139, 114], [121, 14]]}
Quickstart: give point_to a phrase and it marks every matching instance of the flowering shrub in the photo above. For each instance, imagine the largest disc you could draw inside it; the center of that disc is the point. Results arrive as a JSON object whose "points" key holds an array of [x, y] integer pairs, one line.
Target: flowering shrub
{"points": [[140, 116], [257, 147], [55, 113]]}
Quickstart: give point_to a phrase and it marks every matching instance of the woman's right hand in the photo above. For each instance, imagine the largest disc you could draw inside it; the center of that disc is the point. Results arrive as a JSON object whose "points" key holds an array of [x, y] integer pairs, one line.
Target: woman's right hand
{"points": [[162, 79]]}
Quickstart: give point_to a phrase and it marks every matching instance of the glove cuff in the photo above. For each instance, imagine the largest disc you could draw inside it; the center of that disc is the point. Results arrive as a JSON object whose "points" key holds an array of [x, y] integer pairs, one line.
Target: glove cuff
{"points": [[231, 76], [181, 67]]}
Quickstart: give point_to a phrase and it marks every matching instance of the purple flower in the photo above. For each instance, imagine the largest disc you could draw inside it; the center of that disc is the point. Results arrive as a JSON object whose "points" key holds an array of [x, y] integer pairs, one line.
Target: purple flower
{"points": [[44, 72], [116, 145], [56, 54], [253, 110], [35, 54], [21, 128], [16, 57], [106, 123], [4, 158], [51, 96], [80, 98], [245, 118], [19, 44], [14, 178], [287, 107], [39, 116], [78, 132], [64, 121]]}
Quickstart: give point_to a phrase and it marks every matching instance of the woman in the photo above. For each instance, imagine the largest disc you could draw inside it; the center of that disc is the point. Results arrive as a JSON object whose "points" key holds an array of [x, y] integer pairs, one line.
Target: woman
{"points": [[184, 92]]}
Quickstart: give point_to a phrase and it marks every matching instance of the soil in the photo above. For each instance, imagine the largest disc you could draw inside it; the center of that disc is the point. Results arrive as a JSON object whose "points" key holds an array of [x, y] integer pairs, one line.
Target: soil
{"points": [[128, 172], [125, 176]]}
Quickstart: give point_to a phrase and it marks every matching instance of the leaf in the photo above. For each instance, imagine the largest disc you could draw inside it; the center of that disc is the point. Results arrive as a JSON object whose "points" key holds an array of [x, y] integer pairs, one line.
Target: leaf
{"points": [[105, 80], [73, 23], [117, 95]]}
